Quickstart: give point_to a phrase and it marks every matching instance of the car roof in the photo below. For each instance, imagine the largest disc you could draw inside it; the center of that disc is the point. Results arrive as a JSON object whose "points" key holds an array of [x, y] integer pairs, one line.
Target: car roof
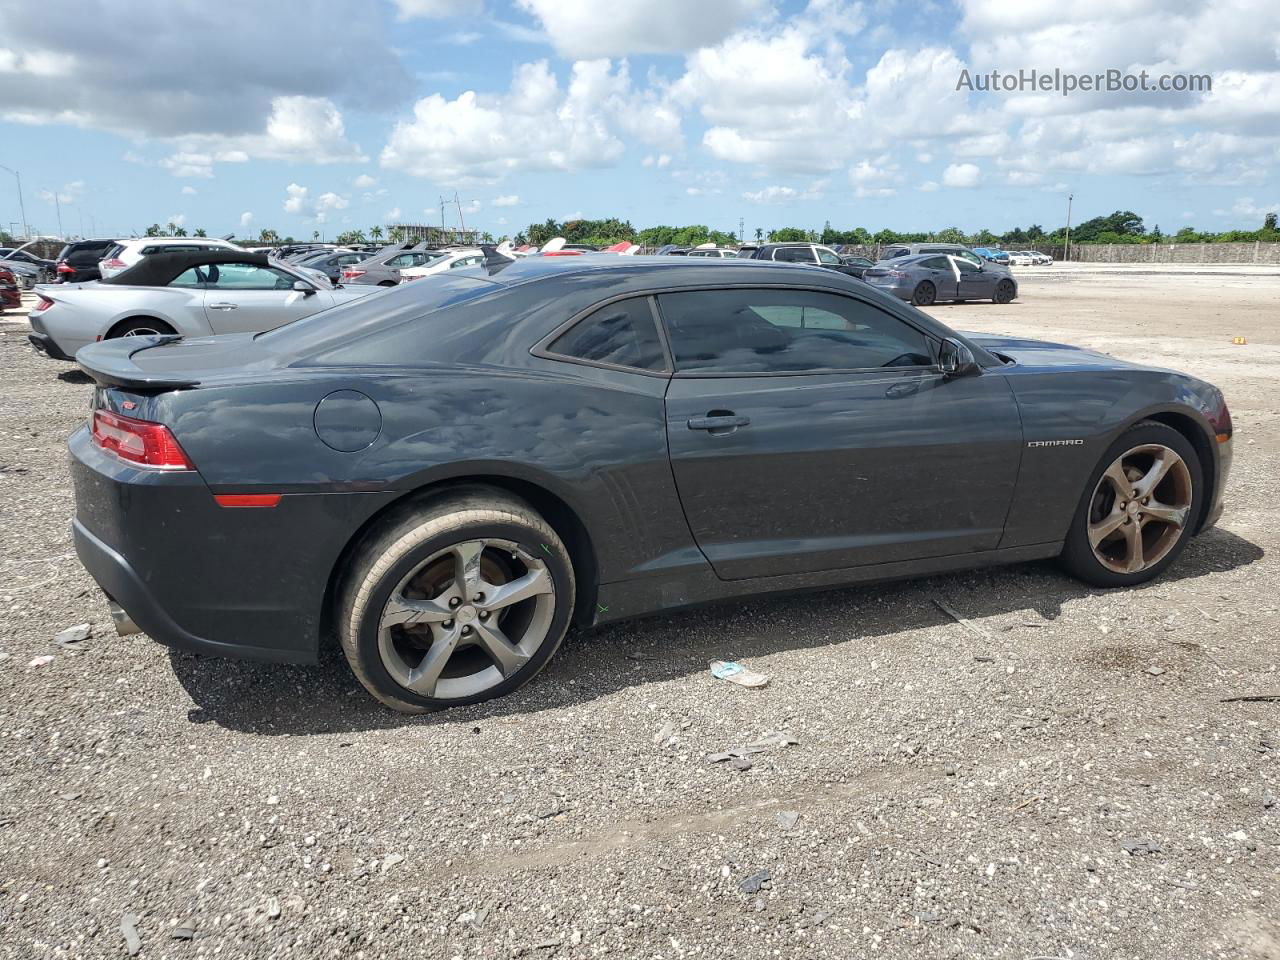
{"points": [[160, 268]]}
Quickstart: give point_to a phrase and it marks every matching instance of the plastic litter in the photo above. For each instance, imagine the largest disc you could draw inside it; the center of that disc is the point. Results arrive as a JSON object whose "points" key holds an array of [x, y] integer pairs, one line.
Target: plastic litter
{"points": [[736, 673]]}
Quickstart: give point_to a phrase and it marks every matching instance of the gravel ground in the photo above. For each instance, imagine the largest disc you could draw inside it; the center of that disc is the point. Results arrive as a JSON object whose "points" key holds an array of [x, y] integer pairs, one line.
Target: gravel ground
{"points": [[1061, 778]]}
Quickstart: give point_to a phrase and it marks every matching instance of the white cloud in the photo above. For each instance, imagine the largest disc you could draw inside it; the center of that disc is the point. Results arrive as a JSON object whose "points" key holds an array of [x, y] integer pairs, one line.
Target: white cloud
{"points": [[70, 193], [771, 195], [874, 179], [177, 219], [298, 201], [509, 200], [165, 71], [392, 215], [246, 218], [929, 186], [364, 182], [580, 29], [660, 160], [1245, 207], [188, 191], [962, 175], [536, 125], [437, 9], [576, 215]]}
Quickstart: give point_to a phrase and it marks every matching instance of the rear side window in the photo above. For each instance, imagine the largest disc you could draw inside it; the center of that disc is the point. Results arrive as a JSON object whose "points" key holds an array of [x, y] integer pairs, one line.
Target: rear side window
{"points": [[895, 252], [621, 334], [794, 254], [936, 263], [785, 331]]}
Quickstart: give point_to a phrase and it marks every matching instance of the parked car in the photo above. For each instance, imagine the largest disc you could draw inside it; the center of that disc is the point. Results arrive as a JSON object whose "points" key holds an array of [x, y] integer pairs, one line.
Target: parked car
{"points": [[992, 255], [127, 253], [44, 268], [715, 253], [332, 262], [1021, 258], [1041, 259], [78, 260], [27, 275], [191, 294], [811, 253], [856, 266], [671, 250], [453, 260], [383, 269], [450, 473], [10, 294], [925, 278]]}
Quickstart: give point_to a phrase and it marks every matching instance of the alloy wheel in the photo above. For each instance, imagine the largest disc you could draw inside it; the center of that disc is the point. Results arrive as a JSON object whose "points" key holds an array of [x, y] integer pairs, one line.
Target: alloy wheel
{"points": [[466, 619], [141, 332], [1140, 508]]}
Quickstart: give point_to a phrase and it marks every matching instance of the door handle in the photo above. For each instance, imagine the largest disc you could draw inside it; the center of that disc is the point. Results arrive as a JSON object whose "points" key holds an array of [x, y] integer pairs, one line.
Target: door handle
{"points": [[222, 306], [904, 389], [719, 422]]}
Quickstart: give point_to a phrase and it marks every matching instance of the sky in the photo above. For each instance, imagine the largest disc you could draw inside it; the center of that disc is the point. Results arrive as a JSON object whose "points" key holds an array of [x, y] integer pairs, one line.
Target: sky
{"points": [[330, 115]]}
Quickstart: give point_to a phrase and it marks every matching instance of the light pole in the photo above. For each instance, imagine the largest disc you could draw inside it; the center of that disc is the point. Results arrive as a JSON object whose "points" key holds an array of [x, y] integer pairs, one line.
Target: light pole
{"points": [[1066, 244], [22, 204]]}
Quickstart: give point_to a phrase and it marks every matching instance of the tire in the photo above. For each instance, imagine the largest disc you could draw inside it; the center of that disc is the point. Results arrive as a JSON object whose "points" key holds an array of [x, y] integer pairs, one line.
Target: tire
{"points": [[433, 539], [1161, 540], [925, 293], [139, 327], [1005, 292], [388, 283]]}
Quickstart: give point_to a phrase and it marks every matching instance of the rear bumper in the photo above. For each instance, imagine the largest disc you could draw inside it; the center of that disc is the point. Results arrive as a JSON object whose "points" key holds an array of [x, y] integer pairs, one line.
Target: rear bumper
{"points": [[900, 291], [45, 344], [122, 585]]}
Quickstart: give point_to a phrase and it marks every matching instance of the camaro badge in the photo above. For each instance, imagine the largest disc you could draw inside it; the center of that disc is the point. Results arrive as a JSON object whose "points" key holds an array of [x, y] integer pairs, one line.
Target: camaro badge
{"points": [[1054, 443]]}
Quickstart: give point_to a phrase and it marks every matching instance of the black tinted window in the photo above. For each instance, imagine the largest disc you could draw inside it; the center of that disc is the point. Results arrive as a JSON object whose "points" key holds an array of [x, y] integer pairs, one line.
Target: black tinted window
{"points": [[936, 263], [785, 331], [794, 254], [621, 333]]}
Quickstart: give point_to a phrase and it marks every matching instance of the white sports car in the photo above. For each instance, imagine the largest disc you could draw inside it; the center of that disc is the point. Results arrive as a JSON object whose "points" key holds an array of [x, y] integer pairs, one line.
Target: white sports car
{"points": [[192, 294]]}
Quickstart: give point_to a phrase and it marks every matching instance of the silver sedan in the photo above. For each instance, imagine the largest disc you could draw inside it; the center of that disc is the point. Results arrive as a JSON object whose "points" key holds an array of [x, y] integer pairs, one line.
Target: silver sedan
{"points": [[189, 294]]}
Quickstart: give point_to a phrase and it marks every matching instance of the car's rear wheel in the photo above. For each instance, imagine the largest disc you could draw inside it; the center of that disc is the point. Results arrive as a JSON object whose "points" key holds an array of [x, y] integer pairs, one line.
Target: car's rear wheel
{"points": [[925, 293], [461, 599], [1138, 510], [1005, 292], [140, 327]]}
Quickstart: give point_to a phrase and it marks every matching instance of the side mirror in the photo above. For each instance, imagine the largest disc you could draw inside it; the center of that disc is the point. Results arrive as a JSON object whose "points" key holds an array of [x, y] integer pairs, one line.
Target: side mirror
{"points": [[957, 360], [303, 287]]}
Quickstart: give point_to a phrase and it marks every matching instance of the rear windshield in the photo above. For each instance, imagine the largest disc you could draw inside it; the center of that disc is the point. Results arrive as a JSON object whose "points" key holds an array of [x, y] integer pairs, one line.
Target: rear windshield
{"points": [[382, 310]]}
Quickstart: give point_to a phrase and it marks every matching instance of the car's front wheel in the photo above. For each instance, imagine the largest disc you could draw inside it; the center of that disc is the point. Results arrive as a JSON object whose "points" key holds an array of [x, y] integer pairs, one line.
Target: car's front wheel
{"points": [[458, 600], [1139, 509]]}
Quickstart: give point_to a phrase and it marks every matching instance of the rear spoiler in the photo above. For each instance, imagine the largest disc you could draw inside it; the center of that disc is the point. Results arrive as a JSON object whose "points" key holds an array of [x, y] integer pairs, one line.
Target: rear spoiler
{"points": [[110, 363]]}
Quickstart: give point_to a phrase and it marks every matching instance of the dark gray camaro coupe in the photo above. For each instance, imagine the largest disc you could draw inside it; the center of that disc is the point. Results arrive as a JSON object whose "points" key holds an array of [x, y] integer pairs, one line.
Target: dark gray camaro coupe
{"points": [[447, 476]]}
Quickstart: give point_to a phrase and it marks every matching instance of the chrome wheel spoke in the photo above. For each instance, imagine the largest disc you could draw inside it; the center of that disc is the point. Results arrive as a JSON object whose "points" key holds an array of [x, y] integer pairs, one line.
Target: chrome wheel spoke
{"points": [[536, 581], [467, 566], [401, 611], [1160, 467], [506, 654], [424, 677], [1162, 511], [1105, 527], [1133, 558]]}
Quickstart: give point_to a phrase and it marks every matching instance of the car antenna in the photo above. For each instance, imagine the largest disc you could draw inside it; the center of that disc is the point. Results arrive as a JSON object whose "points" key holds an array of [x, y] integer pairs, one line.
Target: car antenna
{"points": [[493, 260]]}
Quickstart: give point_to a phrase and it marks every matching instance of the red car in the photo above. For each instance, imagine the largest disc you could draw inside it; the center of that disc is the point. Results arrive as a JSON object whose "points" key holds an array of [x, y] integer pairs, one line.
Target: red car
{"points": [[10, 295]]}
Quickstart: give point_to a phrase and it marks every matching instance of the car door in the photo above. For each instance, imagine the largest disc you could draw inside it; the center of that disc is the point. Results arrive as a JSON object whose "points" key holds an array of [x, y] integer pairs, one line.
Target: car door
{"points": [[976, 283], [811, 430], [249, 297], [942, 274]]}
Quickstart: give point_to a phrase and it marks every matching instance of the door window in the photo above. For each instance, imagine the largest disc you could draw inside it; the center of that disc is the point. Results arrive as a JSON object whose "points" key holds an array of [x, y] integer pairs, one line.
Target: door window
{"points": [[965, 267], [827, 257], [622, 334], [785, 331], [245, 276], [403, 260]]}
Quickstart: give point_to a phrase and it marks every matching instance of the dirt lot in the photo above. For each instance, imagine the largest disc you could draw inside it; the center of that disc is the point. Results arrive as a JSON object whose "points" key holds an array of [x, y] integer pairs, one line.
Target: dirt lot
{"points": [[1063, 780]]}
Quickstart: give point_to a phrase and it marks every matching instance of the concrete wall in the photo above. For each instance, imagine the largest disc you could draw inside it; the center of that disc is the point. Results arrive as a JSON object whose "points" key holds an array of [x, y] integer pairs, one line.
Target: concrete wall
{"points": [[1255, 252]]}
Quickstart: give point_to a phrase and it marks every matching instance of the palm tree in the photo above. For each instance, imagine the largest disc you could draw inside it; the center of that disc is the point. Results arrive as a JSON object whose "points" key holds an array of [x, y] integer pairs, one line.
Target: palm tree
{"points": [[199, 232], [375, 233], [315, 234]]}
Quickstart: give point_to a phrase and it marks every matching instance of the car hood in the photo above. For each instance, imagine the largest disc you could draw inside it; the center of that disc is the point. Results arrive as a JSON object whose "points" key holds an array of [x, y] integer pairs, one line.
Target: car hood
{"points": [[1044, 354]]}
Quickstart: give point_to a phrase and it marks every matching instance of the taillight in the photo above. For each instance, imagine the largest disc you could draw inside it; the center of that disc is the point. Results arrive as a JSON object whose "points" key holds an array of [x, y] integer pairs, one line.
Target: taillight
{"points": [[563, 253], [352, 274], [64, 268], [44, 304], [139, 441], [115, 263]]}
